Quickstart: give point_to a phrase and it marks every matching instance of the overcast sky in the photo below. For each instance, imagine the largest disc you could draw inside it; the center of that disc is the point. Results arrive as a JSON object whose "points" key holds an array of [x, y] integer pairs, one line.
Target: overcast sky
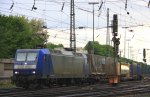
{"points": [[56, 15]]}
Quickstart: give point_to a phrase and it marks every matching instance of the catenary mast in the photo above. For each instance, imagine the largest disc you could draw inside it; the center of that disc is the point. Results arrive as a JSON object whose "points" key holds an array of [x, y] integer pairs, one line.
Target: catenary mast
{"points": [[72, 27]]}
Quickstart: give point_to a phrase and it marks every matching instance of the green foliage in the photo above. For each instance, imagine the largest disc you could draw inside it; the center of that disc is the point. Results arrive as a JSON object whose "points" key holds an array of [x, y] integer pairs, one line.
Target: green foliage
{"points": [[103, 50], [52, 46], [17, 32], [125, 60], [6, 84]]}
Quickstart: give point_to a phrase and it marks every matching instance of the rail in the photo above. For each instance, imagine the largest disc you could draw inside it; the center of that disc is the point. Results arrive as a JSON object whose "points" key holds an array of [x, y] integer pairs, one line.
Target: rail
{"points": [[97, 90]]}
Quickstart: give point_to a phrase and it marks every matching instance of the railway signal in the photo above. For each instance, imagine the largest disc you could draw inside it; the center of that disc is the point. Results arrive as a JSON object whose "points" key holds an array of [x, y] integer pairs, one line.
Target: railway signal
{"points": [[115, 25], [114, 78], [115, 34], [144, 55]]}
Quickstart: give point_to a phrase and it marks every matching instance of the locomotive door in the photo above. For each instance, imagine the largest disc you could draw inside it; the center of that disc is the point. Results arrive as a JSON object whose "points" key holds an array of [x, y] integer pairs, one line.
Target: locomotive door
{"points": [[47, 64]]}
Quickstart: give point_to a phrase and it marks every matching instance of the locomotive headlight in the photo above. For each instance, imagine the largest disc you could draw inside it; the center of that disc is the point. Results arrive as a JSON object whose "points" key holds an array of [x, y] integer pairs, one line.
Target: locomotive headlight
{"points": [[16, 72], [33, 72]]}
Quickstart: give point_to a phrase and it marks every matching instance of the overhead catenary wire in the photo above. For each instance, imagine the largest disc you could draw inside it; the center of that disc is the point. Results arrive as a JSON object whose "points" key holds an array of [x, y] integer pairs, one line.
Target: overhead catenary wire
{"points": [[79, 2], [47, 19], [135, 19], [60, 2]]}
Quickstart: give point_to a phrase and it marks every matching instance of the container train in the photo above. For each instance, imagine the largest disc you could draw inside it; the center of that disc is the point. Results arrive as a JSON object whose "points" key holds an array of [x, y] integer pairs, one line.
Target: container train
{"points": [[44, 67]]}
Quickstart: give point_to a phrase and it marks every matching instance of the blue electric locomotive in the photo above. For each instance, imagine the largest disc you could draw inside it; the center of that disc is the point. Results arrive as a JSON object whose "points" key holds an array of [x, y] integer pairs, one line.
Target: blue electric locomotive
{"points": [[38, 67], [30, 65]]}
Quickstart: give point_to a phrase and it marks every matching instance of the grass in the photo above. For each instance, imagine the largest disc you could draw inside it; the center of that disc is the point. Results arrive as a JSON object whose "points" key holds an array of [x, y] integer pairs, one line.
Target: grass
{"points": [[6, 84]]}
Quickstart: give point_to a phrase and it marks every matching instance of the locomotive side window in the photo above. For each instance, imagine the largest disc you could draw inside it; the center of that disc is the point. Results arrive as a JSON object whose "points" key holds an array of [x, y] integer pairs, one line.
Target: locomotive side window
{"points": [[21, 56], [31, 56], [44, 57]]}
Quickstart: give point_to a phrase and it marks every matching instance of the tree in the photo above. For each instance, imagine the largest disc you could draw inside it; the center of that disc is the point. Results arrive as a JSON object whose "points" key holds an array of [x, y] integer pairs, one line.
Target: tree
{"points": [[103, 50], [52, 46], [18, 33], [40, 34]]}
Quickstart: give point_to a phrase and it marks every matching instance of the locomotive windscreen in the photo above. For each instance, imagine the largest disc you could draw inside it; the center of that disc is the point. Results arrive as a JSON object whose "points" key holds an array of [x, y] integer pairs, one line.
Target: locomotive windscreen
{"points": [[25, 60], [26, 56]]}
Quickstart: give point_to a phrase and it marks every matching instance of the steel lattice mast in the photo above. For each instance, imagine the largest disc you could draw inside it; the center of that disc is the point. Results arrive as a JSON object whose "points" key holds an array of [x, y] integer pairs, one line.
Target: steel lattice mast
{"points": [[72, 27]]}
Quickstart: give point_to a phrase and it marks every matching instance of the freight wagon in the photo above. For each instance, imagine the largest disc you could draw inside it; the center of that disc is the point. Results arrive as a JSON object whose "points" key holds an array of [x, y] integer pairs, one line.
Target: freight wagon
{"points": [[130, 71], [135, 71]]}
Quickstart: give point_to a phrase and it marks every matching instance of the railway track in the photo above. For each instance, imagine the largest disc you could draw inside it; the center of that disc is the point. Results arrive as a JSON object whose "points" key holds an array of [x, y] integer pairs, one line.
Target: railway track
{"points": [[97, 90], [107, 92]]}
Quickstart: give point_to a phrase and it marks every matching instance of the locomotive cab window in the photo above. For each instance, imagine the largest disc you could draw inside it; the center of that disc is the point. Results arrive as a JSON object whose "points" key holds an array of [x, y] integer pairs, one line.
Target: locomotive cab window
{"points": [[31, 56], [26, 56], [21, 56]]}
